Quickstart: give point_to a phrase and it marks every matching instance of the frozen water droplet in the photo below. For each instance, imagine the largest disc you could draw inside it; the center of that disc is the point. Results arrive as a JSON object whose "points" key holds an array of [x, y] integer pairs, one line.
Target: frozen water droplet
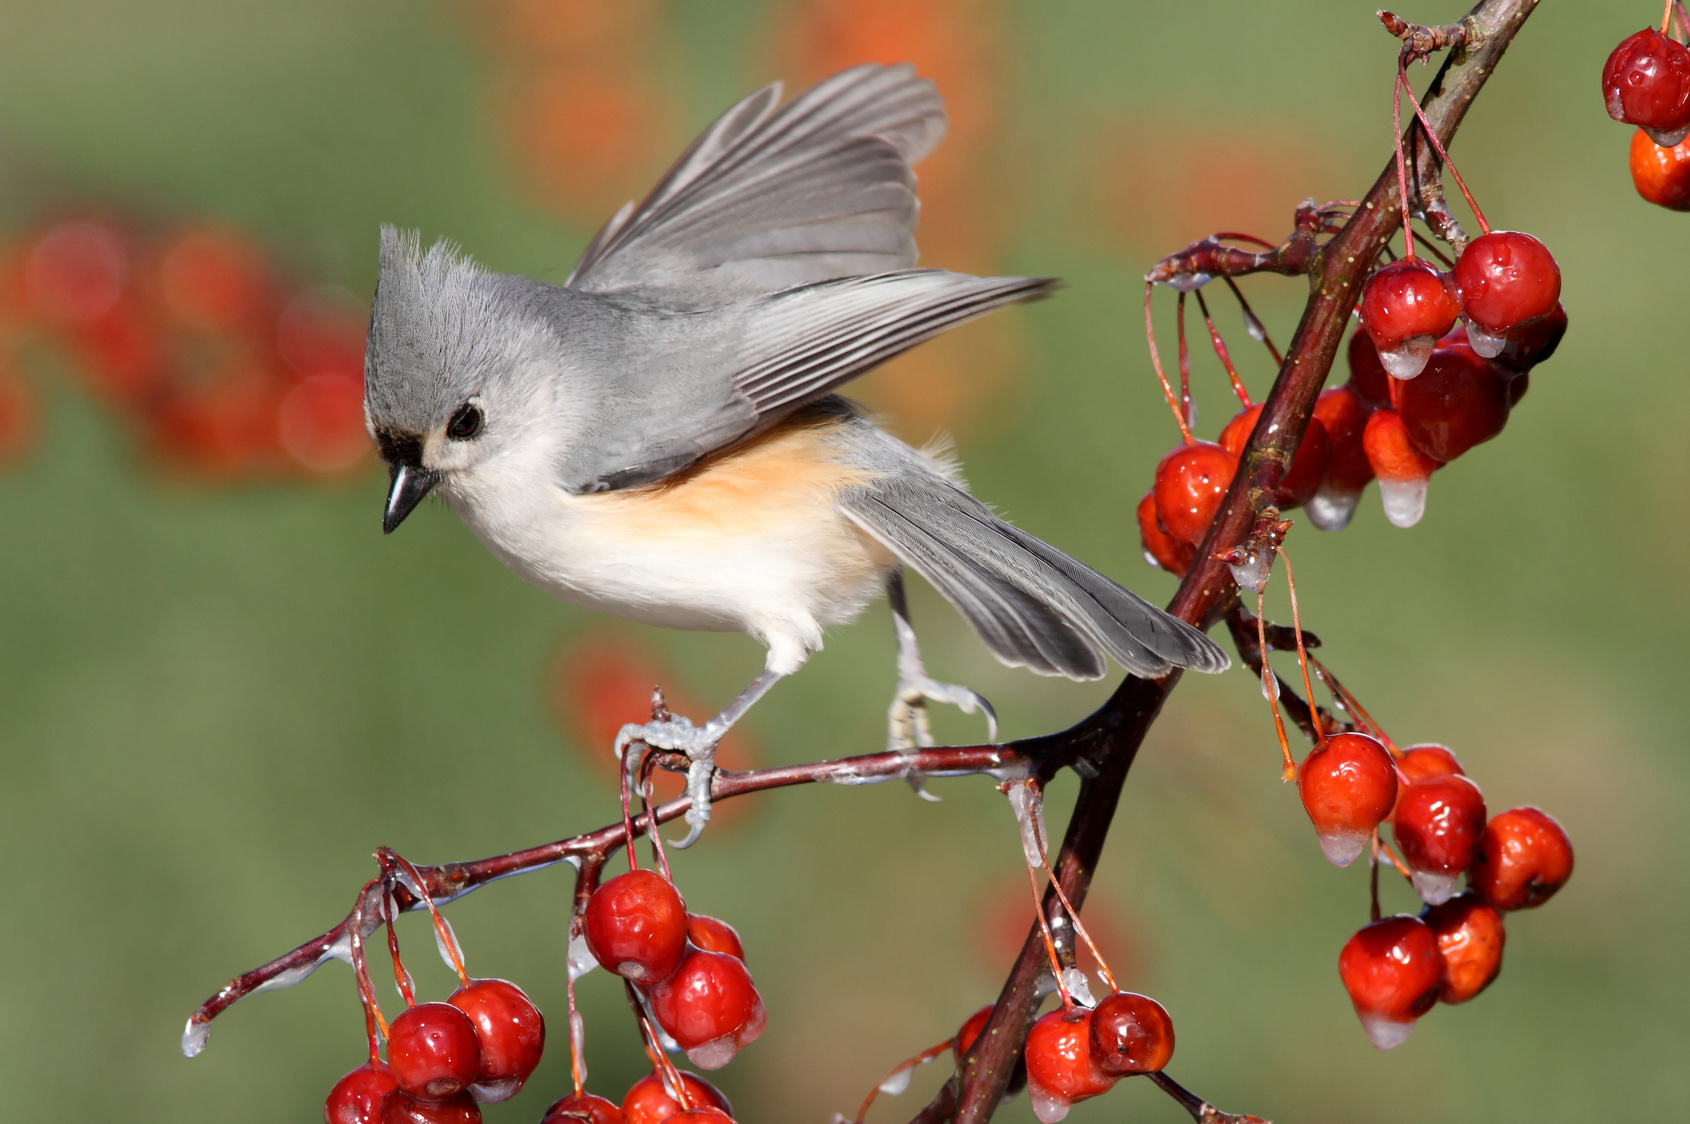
{"points": [[1385, 1034], [1434, 888], [1186, 283], [1151, 559], [1408, 358], [1331, 509], [1342, 848], [581, 960], [492, 1092], [1665, 139], [897, 1081], [1254, 326], [1405, 500], [578, 1035], [1270, 685], [840, 1118], [1191, 414], [194, 1037], [715, 1053], [1027, 802], [440, 944], [1078, 986], [1047, 1106], [670, 1046], [1483, 342], [1252, 573]]}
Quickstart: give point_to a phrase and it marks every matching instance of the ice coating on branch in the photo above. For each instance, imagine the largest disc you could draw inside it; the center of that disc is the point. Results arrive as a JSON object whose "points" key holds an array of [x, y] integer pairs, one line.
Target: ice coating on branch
{"points": [[1186, 283], [1409, 357], [581, 959], [1254, 326], [493, 1092], [1404, 500], [440, 944], [1342, 848], [1252, 573], [194, 1037], [578, 1036], [1385, 1034], [1047, 1106], [1483, 342], [1078, 986], [1027, 802], [897, 1081], [1331, 508], [1434, 888]]}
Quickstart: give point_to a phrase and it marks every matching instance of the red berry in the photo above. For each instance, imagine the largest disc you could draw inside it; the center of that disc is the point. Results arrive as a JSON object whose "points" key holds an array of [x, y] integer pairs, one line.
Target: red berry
{"points": [[1527, 347], [636, 926], [321, 422], [1470, 938], [357, 1098], [1131, 1034], [1420, 762], [970, 1030], [1438, 826], [1646, 82], [510, 1031], [583, 1108], [702, 1116], [1367, 374], [1060, 1066], [1661, 174], [1392, 971], [433, 1050], [1405, 307], [1403, 470], [1524, 857], [1505, 280], [1190, 483], [1343, 412], [1161, 549], [710, 1007], [75, 273], [213, 280], [1348, 785], [1460, 401], [402, 1108], [648, 1102], [1307, 467], [714, 936]]}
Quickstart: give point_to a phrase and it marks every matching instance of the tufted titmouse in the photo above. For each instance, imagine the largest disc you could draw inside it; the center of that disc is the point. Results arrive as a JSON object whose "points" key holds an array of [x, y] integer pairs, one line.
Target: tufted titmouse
{"points": [[658, 437]]}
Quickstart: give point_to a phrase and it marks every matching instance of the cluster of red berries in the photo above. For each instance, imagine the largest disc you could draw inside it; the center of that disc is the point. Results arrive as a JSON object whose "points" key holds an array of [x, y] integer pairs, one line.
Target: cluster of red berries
{"points": [[1397, 968], [1076, 1053], [1646, 82], [225, 366]]}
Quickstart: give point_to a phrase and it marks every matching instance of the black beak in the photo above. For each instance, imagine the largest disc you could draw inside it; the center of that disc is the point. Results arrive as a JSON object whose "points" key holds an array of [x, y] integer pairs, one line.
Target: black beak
{"points": [[410, 483]]}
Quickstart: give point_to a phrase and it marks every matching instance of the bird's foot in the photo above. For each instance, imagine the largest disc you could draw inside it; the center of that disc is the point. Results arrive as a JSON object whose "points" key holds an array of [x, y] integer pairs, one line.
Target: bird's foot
{"points": [[908, 726], [678, 734]]}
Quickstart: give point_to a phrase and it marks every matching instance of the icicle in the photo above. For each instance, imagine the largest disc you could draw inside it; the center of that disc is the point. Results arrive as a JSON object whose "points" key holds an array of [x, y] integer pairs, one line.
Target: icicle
{"points": [[1252, 573], [578, 1036], [1027, 802], [1404, 500], [1434, 888], [897, 1081], [715, 1053], [1331, 509], [194, 1037], [1078, 986], [1384, 1033], [1189, 283], [581, 959], [493, 1092], [1254, 326], [1483, 342], [1047, 1106], [440, 944], [1343, 848], [1270, 684], [1409, 357]]}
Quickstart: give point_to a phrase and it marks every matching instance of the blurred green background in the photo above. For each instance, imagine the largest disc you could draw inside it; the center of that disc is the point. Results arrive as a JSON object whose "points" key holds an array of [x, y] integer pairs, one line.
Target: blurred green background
{"points": [[218, 695]]}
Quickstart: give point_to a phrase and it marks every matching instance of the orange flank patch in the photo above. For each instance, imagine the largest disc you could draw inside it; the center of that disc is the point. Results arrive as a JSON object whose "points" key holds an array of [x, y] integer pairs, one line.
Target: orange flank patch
{"points": [[602, 681]]}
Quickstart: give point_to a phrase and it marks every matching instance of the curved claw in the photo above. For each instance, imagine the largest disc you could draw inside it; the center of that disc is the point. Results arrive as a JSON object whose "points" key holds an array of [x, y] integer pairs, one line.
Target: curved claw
{"points": [[908, 719], [699, 776]]}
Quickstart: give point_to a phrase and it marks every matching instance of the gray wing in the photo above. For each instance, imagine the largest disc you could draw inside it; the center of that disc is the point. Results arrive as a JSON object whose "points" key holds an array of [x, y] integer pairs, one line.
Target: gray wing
{"points": [[1034, 606], [686, 384], [768, 199]]}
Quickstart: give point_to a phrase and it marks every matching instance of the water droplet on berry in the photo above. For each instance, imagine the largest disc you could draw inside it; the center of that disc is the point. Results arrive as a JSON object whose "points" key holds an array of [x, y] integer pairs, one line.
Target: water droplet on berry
{"points": [[1342, 848], [1047, 1106], [1384, 1033], [1408, 358], [897, 1081], [716, 1053], [194, 1037], [1434, 888], [1078, 986], [1483, 342], [494, 1092], [1666, 138], [1405, 500], [1331, 508]]}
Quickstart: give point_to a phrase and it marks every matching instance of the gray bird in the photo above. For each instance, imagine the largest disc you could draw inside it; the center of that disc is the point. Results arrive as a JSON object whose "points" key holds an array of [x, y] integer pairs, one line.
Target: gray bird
{"points": [[659, 438]]}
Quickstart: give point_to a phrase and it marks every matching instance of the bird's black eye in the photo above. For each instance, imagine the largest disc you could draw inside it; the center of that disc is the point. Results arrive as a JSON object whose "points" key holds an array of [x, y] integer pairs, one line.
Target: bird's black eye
{"points": [[465, 423]]}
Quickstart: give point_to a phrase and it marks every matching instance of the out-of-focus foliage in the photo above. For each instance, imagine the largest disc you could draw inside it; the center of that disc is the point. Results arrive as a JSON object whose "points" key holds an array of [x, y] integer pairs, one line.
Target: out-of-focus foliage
{"points": [[218, 692]]}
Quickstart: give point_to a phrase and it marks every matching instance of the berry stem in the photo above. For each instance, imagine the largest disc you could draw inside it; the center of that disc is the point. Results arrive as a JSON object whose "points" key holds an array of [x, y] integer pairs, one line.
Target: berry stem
{"points": [[1297, 631], [1050, 942], [1350, 703], [401, 975], [652, 833], [1161, 375], [1402, 168], [1220, 350], [1080, 928], [1251, 320], [627, 812], [373, 1021], [1666, 18], [1270, 688], [414, 882], [1373, 876], [660, 1062], [1184, 365], [1683, 18], [574, 1042], [1438, 147]]}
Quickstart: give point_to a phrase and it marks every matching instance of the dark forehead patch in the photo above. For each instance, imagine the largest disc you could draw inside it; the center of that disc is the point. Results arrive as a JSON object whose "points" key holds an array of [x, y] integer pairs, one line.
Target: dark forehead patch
{"points": [[400, 446]]}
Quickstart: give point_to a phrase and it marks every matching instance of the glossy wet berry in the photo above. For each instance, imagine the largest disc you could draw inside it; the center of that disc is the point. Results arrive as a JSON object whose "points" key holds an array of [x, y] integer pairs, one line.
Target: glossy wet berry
{"points": [[970, 1030], [1342, 412], [1161, 549], [402, 1108], [1191, 481], [1438, 825], [358, 1097], [648, 1102], [1367, 374], [1060, 1067], [584, 1108], [1505, 280], [1470, 939], [1392, 970], [636, 926], [702, 1116], [510, 1032], [714, 936], [1523, 858], [1131, 1033], [1426, 760], [433, 1050], [1404, 471], [709, 1006], [1348, 786], [1661, 173], [1461, 400], [1526, 347], [1405, 307], [1307, 467], [1646, 82]]}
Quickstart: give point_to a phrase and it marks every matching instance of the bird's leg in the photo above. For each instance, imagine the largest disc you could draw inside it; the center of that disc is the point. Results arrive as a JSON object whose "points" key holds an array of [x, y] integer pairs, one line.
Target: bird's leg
{"points": [[907, 721], [678, 733]]}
